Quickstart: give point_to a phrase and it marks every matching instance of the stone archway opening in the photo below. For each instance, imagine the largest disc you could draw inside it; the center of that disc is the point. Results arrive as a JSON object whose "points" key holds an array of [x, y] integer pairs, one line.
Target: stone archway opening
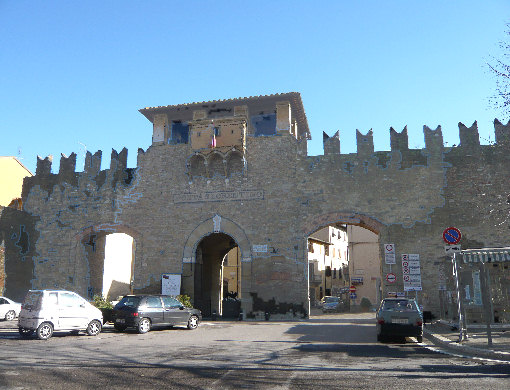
{"points": [[342, 254], [217, 276], [110, 257]]}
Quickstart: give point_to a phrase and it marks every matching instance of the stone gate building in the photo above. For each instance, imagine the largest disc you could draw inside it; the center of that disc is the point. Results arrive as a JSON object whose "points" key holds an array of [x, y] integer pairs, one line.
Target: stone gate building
{"points": [[236, 172]]}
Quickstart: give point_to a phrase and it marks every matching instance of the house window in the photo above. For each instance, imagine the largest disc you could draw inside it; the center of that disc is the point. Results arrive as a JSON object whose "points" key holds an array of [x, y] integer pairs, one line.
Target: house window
{"points": [[326, 250], [328, 271], [334, 273], [310, 247], [216, 131]]}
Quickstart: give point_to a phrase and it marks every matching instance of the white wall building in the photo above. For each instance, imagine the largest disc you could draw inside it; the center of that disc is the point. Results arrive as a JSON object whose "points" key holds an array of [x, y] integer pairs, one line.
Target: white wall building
{"points": [[328, 261]]}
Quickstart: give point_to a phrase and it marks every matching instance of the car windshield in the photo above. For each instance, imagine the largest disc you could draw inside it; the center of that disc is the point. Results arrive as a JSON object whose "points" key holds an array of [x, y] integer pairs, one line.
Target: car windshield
{"points": [[399, 305], [32, 300], [128, 301], [331, 300]]}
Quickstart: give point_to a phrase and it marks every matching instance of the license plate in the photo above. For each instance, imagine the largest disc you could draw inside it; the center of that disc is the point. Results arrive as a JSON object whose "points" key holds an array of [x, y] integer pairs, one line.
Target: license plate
{"points": [[399, 320], [120, 320]]}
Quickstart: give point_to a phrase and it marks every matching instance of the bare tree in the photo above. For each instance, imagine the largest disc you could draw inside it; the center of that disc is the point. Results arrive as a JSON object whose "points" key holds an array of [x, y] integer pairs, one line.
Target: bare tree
{"points": [[501, 69]]}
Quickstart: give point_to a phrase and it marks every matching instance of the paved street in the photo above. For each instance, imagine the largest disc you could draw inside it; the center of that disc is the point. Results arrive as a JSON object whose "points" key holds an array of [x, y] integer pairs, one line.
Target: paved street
{"points": [[331, 351]]}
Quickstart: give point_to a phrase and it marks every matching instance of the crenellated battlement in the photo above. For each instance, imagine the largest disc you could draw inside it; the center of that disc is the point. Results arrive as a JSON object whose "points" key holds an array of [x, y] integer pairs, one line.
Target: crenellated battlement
{"points": [[399, 141], [118, 173], [469, 140]]}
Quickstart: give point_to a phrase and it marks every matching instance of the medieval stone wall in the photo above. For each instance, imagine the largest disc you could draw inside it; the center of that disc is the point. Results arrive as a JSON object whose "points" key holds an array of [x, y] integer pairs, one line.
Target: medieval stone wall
{"points": [[274, 202]]}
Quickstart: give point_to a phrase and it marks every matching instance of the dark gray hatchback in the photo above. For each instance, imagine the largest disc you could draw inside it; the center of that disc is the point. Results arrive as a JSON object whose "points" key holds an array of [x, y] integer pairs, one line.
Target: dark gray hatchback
{"points": [[142, 312], [399, 317]]}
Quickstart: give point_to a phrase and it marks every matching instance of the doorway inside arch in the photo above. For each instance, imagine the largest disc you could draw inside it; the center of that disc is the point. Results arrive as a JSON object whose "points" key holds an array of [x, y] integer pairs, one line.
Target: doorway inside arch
{"points": [[344, 262], [110, 259], [217, 276]]}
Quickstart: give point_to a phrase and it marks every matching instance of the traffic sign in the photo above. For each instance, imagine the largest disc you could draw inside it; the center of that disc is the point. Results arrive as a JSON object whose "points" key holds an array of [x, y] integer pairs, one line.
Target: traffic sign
{"points": [[451, 249], [352, 289], [391, 277], [389, 248], [353, 295], [452, 235]]}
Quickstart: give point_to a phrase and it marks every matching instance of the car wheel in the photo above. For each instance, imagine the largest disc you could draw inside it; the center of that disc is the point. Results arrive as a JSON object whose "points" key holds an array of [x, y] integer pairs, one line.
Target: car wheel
{"points": [[419, 339], [10, 315], [120, 328], [144, 325], [45, 331], [25, 332], [94, 328], [193, 322]]}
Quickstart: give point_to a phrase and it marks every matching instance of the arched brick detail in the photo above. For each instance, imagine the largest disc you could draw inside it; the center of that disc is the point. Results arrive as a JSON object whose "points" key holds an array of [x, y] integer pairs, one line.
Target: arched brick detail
{"points": [[79, 259], [196, 166], [216, 165], [316, 222], [206, 228], [235, 163]]}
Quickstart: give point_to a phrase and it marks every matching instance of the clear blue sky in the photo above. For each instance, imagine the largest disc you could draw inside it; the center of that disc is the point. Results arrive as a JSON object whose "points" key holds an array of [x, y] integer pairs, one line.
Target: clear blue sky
{"points": [[74, 73]]}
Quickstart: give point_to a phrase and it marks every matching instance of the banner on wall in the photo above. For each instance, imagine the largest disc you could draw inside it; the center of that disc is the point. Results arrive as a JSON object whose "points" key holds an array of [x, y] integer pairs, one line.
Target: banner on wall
{"points": [[171, 284]]}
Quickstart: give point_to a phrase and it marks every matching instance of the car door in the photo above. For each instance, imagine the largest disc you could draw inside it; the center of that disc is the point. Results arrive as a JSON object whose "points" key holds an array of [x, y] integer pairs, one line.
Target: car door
{"points": [[72, 311], [154, 310], [174, 314], [4, 307]]}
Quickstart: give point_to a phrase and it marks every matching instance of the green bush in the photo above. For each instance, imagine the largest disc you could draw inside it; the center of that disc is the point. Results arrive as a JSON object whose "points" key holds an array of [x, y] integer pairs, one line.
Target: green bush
{"points": [[185, 300], [101, 303], [365, 303]]}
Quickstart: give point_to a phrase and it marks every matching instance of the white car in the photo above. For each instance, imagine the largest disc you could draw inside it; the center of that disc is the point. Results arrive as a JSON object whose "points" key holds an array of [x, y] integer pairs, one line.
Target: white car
{"points": [[9, 309], [45, 311]]}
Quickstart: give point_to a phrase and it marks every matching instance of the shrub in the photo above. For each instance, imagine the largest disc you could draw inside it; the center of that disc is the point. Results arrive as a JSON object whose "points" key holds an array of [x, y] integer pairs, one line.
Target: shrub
{"points": [[101, 303], [185, 300]]}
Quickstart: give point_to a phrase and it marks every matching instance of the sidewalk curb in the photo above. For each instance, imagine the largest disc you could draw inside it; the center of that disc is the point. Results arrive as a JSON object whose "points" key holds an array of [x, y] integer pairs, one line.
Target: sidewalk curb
{"points": [[444, 342]]}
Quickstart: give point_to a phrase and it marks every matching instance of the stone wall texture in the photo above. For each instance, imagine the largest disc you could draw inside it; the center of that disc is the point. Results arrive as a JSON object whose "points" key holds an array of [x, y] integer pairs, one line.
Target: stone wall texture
{"points": [[407, 196]]}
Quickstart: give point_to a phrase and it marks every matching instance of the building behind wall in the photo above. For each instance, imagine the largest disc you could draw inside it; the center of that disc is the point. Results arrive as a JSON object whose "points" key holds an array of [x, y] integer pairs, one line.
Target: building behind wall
{"points": [[327, 259], [364, 265], [12, 173]]}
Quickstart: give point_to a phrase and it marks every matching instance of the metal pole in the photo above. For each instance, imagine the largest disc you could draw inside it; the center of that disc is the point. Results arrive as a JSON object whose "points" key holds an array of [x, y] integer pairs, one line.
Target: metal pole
{"points": [[487, 302], [462, 332]]}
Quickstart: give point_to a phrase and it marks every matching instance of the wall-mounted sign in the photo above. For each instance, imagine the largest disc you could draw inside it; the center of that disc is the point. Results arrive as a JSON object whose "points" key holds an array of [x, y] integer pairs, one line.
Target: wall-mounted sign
{"points": [[259, 248], [389, 254], [171, 284], [358, 280], [411, 272], [219, 196], [391, 278]]}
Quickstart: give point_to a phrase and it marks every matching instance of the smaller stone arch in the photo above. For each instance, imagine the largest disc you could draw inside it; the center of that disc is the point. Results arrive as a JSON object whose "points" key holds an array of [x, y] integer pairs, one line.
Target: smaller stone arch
{"points": [[235, 163], [216, 164], [197, 166], [88, 236], [316, 222], [216, 224]]}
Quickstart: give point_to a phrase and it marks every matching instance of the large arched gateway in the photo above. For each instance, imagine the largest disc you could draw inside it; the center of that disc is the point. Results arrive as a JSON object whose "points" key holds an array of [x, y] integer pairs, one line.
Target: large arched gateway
{"points": [[235, 175]]}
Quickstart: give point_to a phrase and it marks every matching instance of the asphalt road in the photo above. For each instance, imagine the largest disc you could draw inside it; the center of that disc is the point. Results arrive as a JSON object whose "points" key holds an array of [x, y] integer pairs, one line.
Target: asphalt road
{"points": [[326, 352]]}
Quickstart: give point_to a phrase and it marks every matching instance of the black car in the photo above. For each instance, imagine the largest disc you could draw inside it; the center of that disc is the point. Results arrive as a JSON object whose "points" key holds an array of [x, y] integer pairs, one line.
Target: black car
{"points": [[145, 311]]}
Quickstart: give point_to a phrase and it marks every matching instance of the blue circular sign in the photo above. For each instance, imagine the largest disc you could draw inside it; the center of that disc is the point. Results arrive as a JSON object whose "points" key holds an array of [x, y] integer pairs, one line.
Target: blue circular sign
{"points": [[452, 235]]}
